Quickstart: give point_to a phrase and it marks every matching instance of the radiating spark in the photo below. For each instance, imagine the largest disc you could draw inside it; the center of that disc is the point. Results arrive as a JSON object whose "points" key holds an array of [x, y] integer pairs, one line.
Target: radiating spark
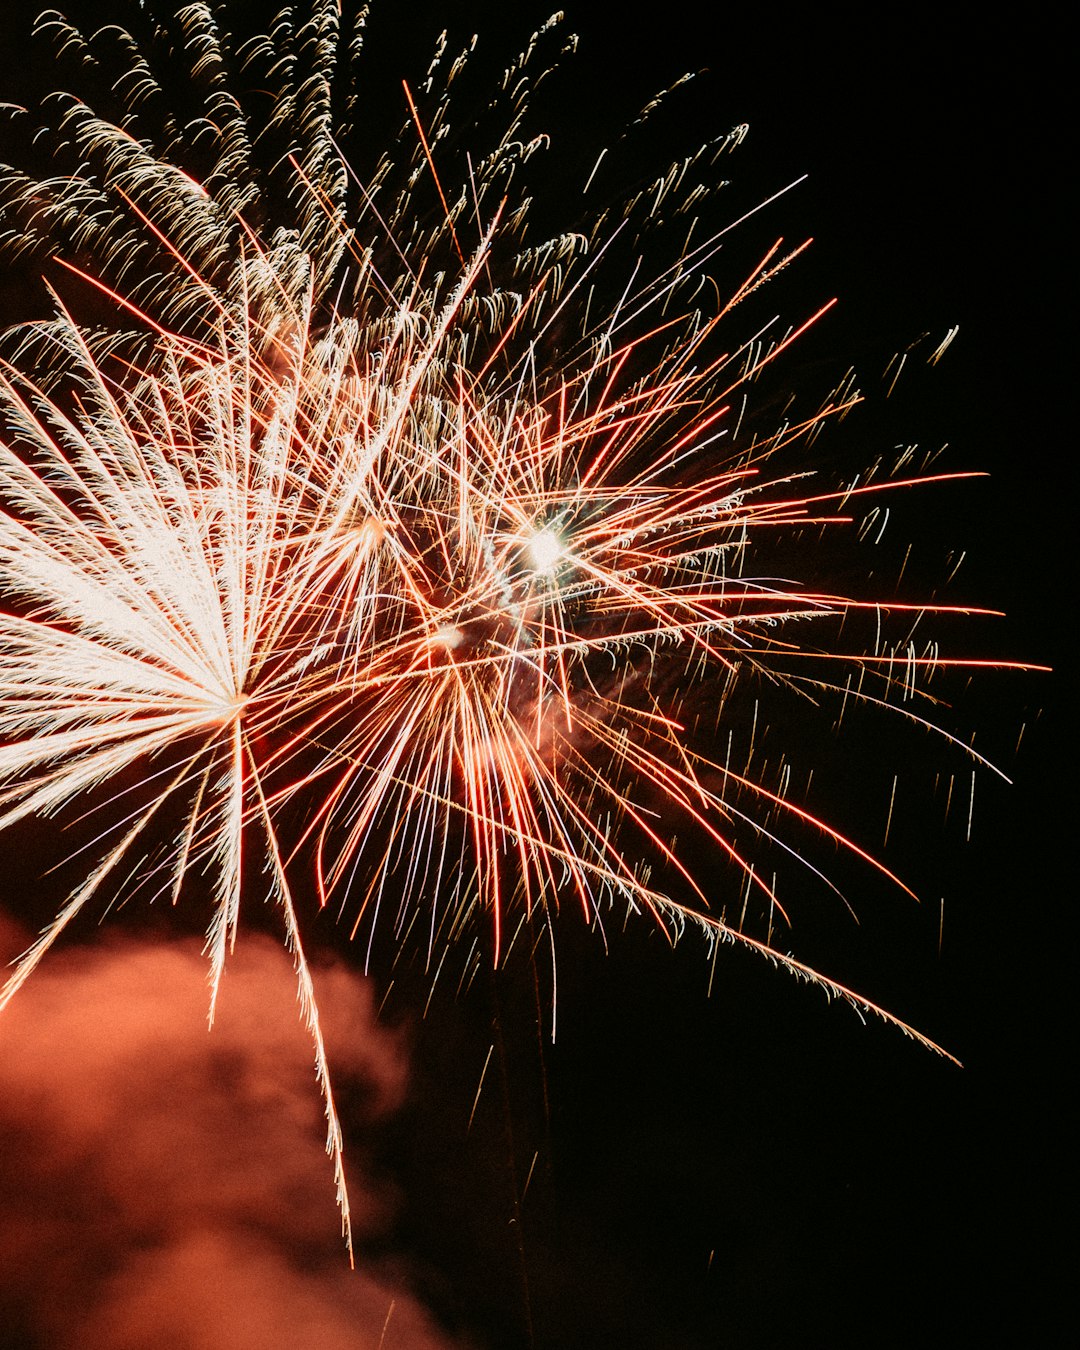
{"points": [[546, 552], [381, 547]]}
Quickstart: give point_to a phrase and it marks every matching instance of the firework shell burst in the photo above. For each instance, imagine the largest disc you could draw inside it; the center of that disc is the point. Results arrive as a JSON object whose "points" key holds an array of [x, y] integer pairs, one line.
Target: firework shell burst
{"points": [[366, 542]]}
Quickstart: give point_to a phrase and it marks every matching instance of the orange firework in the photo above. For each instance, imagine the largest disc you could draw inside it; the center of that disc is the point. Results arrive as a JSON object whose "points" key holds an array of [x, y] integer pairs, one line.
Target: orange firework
{"points": [[379, 523]]}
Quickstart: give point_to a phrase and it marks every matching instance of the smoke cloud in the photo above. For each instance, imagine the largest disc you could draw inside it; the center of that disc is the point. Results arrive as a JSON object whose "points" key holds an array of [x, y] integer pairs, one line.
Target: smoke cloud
{"points": [[165, 1186]]}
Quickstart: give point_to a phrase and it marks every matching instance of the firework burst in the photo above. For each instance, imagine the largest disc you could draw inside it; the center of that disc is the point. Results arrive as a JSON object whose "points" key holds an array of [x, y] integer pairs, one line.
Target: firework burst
{"points": [[371, 541]]}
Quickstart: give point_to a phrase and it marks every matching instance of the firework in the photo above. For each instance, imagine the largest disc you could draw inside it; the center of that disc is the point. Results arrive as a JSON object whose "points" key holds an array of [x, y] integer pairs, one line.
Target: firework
{"points": [[366, 541]]}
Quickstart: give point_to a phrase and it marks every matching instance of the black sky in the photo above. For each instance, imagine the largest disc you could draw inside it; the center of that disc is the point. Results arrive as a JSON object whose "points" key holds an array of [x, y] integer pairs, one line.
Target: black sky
{"points": [[756, 1168]]}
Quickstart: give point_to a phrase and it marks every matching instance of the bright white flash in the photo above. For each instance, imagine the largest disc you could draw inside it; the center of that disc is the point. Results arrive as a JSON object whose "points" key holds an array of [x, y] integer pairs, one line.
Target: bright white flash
{"points": [[546, 551], [447, 635]]}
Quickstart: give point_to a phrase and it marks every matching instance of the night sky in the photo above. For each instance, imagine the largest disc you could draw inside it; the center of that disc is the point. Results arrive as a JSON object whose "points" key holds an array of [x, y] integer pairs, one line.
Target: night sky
{"points": [[746, 1167]]}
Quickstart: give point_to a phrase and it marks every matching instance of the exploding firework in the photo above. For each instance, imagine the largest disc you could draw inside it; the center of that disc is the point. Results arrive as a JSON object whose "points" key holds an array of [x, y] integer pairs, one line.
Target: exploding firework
{"points": [[370, 542]]}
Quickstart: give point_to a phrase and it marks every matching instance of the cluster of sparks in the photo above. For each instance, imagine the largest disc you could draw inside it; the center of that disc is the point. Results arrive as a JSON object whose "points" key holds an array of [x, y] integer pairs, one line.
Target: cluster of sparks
{"points": [[341, 575]]}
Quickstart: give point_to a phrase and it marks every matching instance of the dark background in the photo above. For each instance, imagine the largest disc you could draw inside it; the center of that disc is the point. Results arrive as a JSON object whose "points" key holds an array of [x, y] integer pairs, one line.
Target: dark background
{"points": [[754, 1168]]}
